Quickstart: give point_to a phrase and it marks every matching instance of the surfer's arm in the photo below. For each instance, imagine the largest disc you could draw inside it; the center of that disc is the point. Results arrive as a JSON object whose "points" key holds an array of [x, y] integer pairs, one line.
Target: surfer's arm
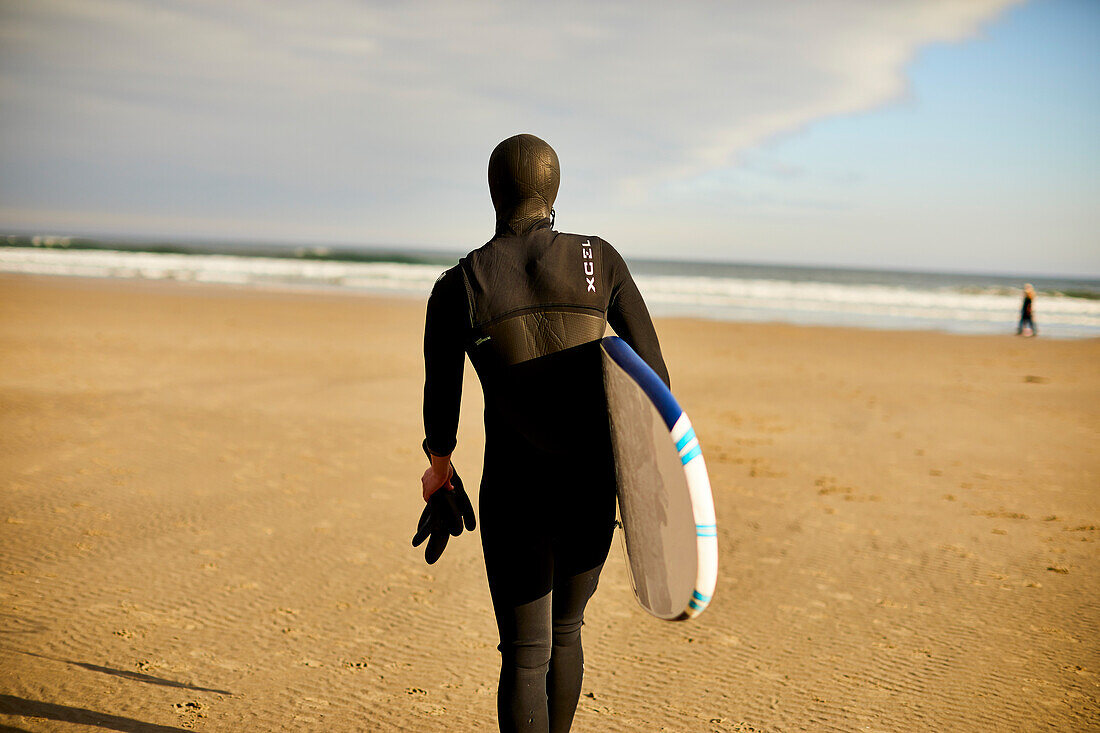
{"points": [[628, 315], [444, 359]]}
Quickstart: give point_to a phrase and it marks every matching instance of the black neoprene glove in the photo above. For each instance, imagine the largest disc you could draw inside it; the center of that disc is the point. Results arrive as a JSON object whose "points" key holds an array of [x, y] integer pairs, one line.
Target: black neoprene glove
{"points": [[446, 512]]}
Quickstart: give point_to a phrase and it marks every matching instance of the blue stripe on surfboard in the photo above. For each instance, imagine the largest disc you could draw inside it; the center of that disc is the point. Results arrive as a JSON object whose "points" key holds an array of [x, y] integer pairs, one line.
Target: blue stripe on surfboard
{"points": [[696, 605], [693, 453], [700, 597], [646, 378], [688, 437]]}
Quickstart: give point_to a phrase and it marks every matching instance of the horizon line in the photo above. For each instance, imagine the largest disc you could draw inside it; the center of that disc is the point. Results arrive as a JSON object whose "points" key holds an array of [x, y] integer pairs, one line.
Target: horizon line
{"points": [[423, 249]]}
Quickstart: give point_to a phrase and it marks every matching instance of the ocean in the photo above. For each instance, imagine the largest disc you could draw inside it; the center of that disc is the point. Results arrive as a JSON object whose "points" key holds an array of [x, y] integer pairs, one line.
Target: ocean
{"points": [[882, 299]]}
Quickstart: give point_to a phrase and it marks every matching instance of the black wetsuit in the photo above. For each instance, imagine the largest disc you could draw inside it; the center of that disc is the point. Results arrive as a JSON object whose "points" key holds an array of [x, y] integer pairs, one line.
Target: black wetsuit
{"points": [[1025, 317], [529, 310]]}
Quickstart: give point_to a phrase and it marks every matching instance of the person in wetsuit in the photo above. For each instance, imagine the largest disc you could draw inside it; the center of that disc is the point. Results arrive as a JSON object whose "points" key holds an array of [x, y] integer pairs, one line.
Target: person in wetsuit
{"points": [[529, 308], [1025, 313]]}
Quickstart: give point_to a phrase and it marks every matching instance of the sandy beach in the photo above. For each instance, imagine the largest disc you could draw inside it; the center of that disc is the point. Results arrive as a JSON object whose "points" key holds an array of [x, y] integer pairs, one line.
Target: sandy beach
{"points": [[208, 495]]}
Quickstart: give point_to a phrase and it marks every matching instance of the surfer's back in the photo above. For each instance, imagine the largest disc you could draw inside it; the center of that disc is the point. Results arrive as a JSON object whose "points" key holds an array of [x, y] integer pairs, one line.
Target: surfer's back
{"points": [[524, 307], [539, 270]]}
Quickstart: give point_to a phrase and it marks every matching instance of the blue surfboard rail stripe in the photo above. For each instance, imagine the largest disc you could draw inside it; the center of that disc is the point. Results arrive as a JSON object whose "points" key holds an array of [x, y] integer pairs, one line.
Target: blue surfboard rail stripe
{"points": [[702, 598], [693, 453], [696, 605], [688, 437], [646, 378]]}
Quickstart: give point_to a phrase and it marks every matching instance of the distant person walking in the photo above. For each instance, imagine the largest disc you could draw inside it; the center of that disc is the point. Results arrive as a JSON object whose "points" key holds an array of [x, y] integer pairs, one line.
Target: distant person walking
{"points": [[1025, 314]]}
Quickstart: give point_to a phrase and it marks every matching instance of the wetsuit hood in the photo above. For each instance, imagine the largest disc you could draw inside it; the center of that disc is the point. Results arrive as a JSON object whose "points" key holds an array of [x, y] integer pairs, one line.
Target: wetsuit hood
{"points": [[523, 181]]}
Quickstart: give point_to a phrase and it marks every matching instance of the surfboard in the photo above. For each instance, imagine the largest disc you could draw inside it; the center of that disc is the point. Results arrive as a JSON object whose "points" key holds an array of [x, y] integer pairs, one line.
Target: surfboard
{"points": [[664, 497]]}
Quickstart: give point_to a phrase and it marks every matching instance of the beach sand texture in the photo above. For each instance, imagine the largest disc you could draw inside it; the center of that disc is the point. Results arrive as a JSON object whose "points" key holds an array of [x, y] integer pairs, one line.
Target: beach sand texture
{"points": [[208, 496]]}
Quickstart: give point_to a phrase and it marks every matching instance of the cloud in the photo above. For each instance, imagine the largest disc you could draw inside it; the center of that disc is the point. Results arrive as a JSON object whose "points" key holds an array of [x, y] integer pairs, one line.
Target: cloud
{"points": [[360, 115]]}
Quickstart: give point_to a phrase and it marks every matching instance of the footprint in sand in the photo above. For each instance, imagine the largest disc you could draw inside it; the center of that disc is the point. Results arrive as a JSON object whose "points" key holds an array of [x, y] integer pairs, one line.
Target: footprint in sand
{"points": [[360, 665], [998, 514], [760, 468], [190, 712], [828, 486]]}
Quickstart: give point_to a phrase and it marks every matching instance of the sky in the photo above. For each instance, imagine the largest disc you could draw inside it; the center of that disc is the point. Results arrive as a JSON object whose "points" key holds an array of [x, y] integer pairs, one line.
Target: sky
{"points": [[916, 134]]}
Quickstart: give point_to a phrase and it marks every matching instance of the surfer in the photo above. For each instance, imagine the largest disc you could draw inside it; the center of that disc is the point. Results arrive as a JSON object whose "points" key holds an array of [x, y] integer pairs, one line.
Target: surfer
{"points": [[529, 308], [1025, 313]]}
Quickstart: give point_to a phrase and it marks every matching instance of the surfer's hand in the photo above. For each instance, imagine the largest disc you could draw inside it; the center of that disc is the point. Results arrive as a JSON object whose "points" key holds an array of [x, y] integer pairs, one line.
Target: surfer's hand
{"points": [[436, 478], [438, 474], [445, 514]]}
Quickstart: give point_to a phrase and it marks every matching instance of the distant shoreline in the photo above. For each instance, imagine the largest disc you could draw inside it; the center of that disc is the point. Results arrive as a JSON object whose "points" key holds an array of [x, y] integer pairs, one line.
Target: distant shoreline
{"points": [[413, 254], [738, 293]]}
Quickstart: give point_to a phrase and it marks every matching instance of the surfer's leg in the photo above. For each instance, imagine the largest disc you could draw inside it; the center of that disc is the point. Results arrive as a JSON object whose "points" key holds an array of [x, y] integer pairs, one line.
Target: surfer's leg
{"points": [[579, 555], [563, 684], [519, 566], [525, 658]]}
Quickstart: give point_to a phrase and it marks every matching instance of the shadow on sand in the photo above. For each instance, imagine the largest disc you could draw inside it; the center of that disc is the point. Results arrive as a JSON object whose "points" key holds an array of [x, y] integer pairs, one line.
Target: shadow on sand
{"points": [[11, 705], [126, 674]]}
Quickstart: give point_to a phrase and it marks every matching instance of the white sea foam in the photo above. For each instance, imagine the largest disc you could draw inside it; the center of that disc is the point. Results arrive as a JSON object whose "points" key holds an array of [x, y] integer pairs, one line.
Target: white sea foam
{"points": [[870, 300], [992, 310], [227, 269]]}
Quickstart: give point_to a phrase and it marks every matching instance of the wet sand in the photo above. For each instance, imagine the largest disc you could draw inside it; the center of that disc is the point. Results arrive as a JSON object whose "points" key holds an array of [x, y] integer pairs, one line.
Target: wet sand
{"points": [[208, 494]]}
